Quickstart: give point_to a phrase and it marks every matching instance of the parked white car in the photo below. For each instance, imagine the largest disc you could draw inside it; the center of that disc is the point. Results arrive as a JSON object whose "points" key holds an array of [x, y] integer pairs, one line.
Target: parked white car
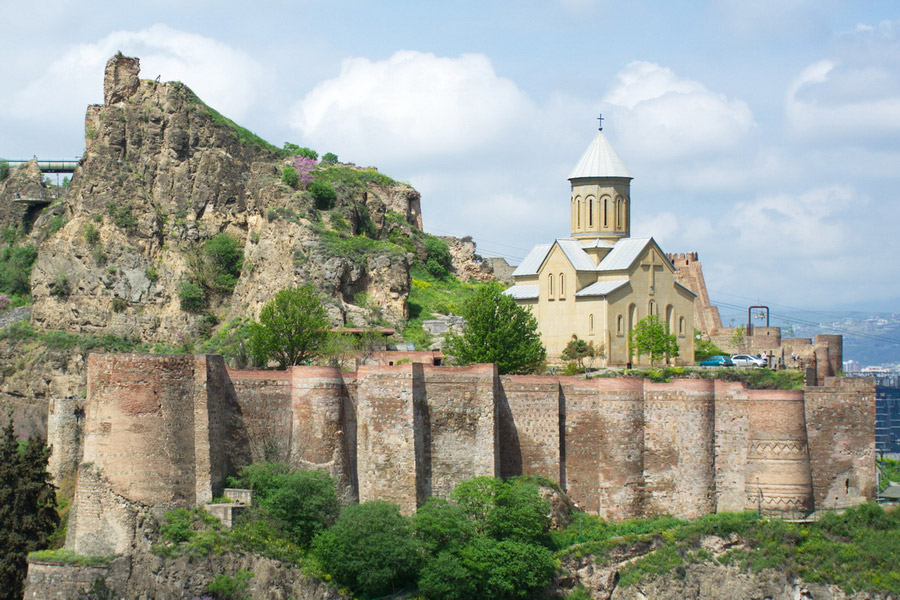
{"points": [[746, 360]]}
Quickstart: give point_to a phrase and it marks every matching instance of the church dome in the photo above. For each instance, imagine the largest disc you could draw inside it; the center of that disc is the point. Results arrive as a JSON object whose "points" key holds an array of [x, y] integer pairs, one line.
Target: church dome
{"points": [[600, 160]]}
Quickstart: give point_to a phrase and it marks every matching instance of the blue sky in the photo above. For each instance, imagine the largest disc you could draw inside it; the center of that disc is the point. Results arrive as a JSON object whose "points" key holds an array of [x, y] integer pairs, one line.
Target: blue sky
{"points": [[764, 135]]}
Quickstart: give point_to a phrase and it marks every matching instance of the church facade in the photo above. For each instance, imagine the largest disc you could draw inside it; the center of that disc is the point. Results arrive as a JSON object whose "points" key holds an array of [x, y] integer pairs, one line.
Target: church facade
{"points": [[600, 282]]}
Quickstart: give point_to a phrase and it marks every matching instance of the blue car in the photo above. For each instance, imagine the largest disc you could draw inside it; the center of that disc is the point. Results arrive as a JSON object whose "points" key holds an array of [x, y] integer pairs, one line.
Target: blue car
{"points": [[717, 361]]}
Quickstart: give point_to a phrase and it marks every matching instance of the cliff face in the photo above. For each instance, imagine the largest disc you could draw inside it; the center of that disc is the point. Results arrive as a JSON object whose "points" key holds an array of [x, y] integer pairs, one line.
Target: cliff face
{"points": [[162, 174]]}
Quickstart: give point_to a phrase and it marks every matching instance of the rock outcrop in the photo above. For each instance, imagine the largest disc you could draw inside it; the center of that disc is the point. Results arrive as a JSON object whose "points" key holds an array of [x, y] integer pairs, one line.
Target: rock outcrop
{"points": [[162, 174]]}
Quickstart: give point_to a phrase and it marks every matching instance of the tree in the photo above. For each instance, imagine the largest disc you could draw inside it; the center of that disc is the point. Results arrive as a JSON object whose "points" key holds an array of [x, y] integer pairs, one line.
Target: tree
{"points": [[650, 336], [27, 507], [497, 331], [370, 549], [577, 350], [292, 328], [511, 509], [301, 503], [329, 158]]}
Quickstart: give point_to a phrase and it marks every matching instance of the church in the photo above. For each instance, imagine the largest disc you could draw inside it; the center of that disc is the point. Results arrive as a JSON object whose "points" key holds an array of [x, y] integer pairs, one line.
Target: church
{"points": [[600, 282]]}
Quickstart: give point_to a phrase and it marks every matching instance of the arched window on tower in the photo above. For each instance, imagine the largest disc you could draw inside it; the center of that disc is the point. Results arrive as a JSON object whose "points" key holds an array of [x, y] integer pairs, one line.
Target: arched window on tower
{"points": [[620, 213], [605, 212], [590, 211], [578, 215], [550, 286]]}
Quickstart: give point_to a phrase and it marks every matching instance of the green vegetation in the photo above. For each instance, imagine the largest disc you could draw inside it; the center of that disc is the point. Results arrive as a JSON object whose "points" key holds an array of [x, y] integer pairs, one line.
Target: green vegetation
{"points": [[230, 341], [430, 296], [4, 169], [356, 248], [438, 260], [329, 158], [651, 336], [890, 469], [55, 224], [756, 379], [577, 350], [15, 269], [497, 331], [67, 557], [91, 234], [290, 149], [301, 504], [27, 507], [62, 340], [370, 549], [350, 178], [857, 549], [121, 215], [214, 271], [323, 195], [703, 349], [292, 328], [226, 587], [289, 177]]}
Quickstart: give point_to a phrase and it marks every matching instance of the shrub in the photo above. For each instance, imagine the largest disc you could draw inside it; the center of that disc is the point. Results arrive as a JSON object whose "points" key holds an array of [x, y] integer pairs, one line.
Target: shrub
{"points": [[15, 269], [56, 223], [292, 328], [323, 195], [121, 215], [192, 296], [370, 549], [438, 261], [329, 158], [59, 287], [289, 177], [91, 235], [226, 587], [4, 169], [119, 304], [304, 167]]}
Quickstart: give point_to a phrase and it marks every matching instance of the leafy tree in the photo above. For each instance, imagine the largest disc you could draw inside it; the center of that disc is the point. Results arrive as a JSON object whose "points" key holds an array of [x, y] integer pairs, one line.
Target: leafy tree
{"points": [[577, 350], [4, 169], [506, 569], [323, 195], [650, 336], [498, 331], [370, 549], [438, 261], [292, 328], [191, 296], [27, 507], [512, 509], [703, 349], [329, 158], [302, 503], [441, 525]]}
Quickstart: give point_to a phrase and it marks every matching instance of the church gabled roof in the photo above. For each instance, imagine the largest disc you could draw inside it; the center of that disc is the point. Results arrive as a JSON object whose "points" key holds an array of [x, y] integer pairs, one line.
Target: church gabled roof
{"points": [[533, 261], [600, 160], [623, 254], [601, 288], [522, 292], [574, 251]]}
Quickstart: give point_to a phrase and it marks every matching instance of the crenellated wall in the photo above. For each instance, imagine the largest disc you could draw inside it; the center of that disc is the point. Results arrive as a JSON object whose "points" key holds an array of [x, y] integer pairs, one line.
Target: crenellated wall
{"points": [[166, 430]]}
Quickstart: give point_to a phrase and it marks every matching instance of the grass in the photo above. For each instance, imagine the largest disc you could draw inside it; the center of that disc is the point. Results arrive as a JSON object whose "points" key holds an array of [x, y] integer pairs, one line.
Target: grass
{"points": [[67, 557], [430, 296], [350, 177], [857, 550], [61, 340], [756, 379]]}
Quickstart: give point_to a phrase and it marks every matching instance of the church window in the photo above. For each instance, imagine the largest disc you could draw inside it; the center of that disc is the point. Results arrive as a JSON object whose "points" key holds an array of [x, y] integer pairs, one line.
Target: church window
{"points": [[651, 309], [550, 286], [681, 327], [620, 325], [590, 212], [562, 286], [605, 211], [620, 213], [591, 324], [670, 319], [578, 215]]}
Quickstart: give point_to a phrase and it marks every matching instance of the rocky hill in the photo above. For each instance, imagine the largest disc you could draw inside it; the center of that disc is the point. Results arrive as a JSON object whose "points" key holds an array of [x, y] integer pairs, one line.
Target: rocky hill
{"points": [[162, 175]]}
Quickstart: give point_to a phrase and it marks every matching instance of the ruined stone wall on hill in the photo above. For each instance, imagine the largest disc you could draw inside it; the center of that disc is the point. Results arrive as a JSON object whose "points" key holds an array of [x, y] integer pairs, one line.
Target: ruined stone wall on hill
{"points": [[165, 431]]}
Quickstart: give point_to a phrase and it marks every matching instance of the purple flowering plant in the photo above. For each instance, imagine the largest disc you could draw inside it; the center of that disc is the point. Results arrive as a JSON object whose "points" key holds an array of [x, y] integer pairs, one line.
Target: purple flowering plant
{"points": [[304, 167], [4, 301]]}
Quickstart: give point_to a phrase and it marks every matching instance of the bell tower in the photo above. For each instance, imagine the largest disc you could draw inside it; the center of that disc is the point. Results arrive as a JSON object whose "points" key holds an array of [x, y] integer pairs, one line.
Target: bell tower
{"points": [[601, 193]]}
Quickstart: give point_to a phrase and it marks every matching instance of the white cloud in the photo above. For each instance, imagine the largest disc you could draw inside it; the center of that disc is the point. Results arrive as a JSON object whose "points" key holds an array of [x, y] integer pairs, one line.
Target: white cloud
{"points": [[669, 117], [411, 106], [853, 95], [226, 78]]}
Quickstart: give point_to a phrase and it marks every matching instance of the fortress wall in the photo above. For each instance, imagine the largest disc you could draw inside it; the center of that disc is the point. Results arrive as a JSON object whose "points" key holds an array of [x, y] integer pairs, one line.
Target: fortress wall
{"points": [[679, 438], [732, 441], [389, 434], [265, 403], [840, 421], [146, 420], [64, 432], [317, 440], [835, 345], [459, 426], [529, 424], [777, 468], [604, 445], [52, 581]]}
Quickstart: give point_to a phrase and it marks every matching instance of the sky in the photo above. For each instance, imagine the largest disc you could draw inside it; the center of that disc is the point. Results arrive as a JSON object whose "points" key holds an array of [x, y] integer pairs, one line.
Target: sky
{"points": [[763, 135]]}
